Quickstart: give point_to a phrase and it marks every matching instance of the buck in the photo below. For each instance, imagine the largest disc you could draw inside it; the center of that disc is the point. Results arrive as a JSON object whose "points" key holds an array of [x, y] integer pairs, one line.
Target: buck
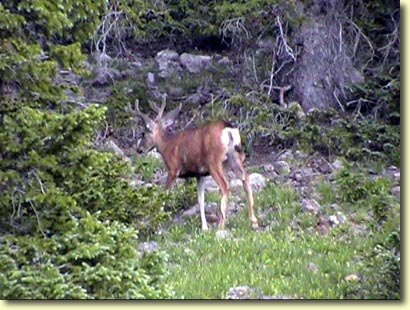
{"points": [[197, 153]]}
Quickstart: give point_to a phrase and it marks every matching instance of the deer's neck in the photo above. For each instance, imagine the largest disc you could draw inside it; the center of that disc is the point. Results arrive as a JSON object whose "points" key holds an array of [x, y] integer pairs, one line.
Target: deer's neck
{"points": [[165, 141]]}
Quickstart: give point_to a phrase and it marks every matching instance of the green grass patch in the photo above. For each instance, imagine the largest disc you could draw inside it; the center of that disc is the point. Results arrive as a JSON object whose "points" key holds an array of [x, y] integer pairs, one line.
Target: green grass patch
{"points": [[204, 266], [282, 260]]}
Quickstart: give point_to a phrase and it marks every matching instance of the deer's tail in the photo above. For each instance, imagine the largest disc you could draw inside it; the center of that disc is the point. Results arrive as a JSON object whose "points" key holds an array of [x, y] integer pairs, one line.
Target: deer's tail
{"points": [[235, 156]]}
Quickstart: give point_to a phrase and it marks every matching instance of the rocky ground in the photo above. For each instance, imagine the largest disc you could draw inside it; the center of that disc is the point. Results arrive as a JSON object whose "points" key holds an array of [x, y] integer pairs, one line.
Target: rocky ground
{"points": [[164, 75], [295, 170]]}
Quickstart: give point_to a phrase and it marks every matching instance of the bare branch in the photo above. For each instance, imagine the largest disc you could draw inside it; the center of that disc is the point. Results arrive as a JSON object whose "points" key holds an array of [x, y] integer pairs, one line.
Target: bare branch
{"points": [[288, 49], [38, 219]]}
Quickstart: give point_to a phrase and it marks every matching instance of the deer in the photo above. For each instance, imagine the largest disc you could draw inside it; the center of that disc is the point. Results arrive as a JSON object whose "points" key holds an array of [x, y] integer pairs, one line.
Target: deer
{"points": [[197, 153]]}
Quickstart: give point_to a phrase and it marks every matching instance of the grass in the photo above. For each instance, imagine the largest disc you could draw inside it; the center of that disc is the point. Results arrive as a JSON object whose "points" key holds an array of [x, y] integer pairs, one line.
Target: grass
{"points": [[276, 260], [206, 267], [147, 166]]}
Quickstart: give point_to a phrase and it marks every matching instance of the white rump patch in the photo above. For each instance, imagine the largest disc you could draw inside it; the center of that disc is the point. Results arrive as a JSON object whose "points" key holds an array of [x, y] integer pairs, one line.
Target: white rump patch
{"points": [[225, 139]]}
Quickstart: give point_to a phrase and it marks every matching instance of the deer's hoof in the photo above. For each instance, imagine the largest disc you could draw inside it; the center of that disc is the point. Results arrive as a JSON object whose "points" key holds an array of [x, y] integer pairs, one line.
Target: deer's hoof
{"points": [[255, 225]]}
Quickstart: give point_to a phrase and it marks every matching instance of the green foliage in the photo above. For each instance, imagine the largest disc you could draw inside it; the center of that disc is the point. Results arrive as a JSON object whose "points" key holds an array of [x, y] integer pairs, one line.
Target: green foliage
{"points": [[182, 197], [381, 269], [274, 260], [66, 20], [259, 120], [147, 166], [92, 259], [69, 56], [238, 22], [66, 209], [123, 93], [355, 187], [358, 139], [386, 257], [277, 260]]}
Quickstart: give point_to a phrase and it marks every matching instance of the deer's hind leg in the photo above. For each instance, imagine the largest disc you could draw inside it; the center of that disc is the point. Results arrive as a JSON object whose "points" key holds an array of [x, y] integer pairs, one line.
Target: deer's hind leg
{"points": [[219, 177], [235, 161]]}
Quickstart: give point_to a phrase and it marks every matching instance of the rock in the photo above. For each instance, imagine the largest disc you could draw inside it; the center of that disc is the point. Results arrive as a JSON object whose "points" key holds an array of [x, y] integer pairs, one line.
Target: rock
{"points": [[295, 224], [195, 63], [167, 55], [148, 247], [211, 208], [102, 59], [395, 191], [223, 234], [392, 172], [210, 184], [312, 267], [333, 220], [243, 292], [310, 206], [285, 156], [298, 176], [352, 278], [276, 297], [111, 146], [155, 154], [295, 106], [151, 80], [341, 217], [359, 229], [392, 168], [193, 211], [168, 63], [268, 168], [246, 292], [224, 61], [136, 183], [106, 76], [282, 167], [235, 184], [194, 99], [323, 226], [175, 91], [257, 181], [337, 164]]}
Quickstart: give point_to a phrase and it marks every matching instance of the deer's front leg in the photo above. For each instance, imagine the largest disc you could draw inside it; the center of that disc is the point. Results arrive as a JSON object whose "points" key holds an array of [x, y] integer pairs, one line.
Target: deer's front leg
{"points": [[201, 201], [172, 175]]}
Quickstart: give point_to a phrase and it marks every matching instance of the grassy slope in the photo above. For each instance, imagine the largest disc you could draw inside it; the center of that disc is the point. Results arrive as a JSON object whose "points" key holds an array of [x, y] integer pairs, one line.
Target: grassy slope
{"points": [[276, 260]]}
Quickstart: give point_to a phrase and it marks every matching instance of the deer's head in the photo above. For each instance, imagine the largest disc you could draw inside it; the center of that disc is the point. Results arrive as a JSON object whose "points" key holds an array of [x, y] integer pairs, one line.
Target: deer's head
{"points": [[155, 129]]}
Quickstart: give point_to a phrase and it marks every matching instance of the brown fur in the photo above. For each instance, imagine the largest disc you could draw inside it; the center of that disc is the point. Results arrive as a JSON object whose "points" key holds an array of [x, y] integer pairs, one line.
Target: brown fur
{"points": [[197, 153], [192, 152]]}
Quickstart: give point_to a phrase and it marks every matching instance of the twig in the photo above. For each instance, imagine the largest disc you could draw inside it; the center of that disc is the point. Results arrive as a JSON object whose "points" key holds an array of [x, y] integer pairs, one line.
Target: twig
{"points": [[338, 101], [254, 69], [288, 49], [366, 39], [38, 219]]}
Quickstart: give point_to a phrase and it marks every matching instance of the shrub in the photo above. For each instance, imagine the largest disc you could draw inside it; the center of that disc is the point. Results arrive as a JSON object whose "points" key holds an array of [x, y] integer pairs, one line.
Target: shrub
{"points": [[92, 259], [355, 187], [68, 215]]}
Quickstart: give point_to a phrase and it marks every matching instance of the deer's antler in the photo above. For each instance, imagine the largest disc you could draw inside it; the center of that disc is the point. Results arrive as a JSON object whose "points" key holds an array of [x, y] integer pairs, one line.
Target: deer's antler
{"points": [[136, 111], [159, 110]]}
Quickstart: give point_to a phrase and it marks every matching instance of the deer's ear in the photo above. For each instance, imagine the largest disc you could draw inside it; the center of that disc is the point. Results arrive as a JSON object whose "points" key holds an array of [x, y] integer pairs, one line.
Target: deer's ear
{"points": [[150, 125], [170, 117], [148, 122]]}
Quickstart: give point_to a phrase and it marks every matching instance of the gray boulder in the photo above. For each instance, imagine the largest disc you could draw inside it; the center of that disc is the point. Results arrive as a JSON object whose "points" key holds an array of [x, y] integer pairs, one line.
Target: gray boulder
{"points": [[168, 63], [310, 206], [195, 63]]}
